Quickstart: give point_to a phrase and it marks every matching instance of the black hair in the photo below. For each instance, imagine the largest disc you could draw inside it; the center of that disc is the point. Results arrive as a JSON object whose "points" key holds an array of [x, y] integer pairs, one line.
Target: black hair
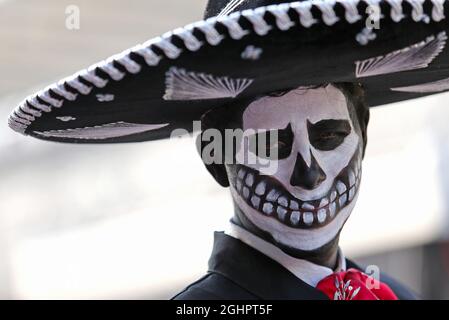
{"points": [[355, 97]]}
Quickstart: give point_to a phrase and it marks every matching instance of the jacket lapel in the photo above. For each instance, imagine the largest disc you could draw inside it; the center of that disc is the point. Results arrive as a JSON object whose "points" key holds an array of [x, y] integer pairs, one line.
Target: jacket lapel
{"points": [[257, 273]]}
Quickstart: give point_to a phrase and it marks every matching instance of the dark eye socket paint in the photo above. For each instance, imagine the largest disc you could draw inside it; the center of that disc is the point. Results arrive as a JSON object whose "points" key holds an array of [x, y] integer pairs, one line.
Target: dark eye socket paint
{"points": [[328, 134], [276, 144]]}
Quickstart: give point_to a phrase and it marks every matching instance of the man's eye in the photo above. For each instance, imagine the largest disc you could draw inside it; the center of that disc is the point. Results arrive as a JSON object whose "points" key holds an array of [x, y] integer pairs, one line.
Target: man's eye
{"points": [[272, 144], [328, 140], [332, 135], [327, 135], [266, 148]]}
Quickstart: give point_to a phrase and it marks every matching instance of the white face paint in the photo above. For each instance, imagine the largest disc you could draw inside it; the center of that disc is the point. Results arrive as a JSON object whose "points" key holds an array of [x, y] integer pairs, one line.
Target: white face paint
{"points": [[306, 202]]}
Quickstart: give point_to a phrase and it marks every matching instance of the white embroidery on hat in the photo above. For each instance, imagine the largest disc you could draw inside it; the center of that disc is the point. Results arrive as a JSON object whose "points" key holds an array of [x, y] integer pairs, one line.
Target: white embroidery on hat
{"points": [[230, 7], [105, 131], [190, 41], [260, 25], [186, 85], [438, 10], [429, 87], [418, 11], [66, 118], [213, 37], [108, 67], [352, 13], [47, 98], [105, 97], [304, 10], [231, 22], [150, 57], [27, 109], [60, 89], [365, 36], [280, 11], [416, 56], [328, 13], [165, 44], [75, 83], [34, 102], [90, 75], [24, 116], [251, 53]]}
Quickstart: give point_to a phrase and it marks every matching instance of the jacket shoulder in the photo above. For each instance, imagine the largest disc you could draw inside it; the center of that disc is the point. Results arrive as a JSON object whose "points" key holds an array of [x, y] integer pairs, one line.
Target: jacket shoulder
{"points": [[401, 291], [214, 286]]}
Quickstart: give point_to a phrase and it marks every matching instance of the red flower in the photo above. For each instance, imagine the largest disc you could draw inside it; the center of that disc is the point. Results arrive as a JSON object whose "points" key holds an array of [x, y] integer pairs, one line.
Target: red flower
{"points": [[354, 285]]}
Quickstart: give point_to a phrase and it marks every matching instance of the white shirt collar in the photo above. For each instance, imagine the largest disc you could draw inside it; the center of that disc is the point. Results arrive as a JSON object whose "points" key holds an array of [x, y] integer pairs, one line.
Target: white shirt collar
{"points": [[308, 272]]}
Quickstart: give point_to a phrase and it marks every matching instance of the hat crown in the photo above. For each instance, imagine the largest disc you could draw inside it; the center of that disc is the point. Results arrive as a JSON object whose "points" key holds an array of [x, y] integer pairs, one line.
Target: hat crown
{"points": [[216, 7]]}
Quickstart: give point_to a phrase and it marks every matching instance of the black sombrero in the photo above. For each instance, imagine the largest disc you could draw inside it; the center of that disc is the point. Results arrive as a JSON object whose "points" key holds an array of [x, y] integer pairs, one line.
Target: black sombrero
{"points": [[395, 48]]}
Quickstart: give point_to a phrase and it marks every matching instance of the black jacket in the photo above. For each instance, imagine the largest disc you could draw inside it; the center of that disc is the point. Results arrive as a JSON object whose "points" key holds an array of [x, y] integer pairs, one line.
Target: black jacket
{"points": [[239, 272]]}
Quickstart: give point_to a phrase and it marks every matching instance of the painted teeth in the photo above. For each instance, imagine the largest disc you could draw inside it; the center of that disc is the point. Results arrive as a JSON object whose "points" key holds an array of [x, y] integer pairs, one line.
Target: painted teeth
{"points": [[294, 205], [333, 195], [291, 211], [283, 201], [255, 200], [295, 216], [267, 208], [241, 174], [321, 215], [342, 200], [307, 206], [245, 192], [249, 180], [351, 193], [260, 189], [332, 209], [281, 213], [351, 178], [238, 185], [341, 188], [324, 202], [308, 218], [273, 195]]}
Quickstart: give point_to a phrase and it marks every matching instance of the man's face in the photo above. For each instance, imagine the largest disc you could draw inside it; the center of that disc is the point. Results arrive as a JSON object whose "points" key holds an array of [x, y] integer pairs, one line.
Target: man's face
{"points": [[306, 201]]}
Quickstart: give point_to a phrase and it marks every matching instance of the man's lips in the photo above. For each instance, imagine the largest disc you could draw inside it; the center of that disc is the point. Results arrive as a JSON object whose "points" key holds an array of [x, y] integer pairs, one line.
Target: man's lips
{"points": [[268, 196]]}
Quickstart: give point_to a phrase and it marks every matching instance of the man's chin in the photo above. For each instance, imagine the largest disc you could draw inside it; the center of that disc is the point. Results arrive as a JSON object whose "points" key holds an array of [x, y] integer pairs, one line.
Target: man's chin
{"points": [[311, 255]]}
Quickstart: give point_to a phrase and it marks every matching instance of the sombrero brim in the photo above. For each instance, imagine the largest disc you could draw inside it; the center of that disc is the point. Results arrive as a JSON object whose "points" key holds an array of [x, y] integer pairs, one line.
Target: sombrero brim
{"points": [[168, 82]]}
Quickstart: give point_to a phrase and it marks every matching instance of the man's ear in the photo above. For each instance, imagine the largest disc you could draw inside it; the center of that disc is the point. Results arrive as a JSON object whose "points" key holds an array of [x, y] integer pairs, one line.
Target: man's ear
{"points": [[218, 171]]}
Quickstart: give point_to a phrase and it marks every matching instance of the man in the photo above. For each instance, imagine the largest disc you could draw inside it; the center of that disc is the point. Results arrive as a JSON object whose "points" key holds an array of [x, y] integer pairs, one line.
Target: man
{"points": [[300, 73], [283, 238]]}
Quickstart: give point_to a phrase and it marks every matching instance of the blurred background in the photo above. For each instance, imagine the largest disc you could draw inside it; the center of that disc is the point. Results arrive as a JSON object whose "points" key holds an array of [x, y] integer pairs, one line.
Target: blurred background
{"points": [[136, 221]]}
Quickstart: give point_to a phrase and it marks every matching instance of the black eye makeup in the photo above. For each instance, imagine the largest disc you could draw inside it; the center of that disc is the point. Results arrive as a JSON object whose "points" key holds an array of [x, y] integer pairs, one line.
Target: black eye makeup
{"points": [[328, 134], [272, 144]]}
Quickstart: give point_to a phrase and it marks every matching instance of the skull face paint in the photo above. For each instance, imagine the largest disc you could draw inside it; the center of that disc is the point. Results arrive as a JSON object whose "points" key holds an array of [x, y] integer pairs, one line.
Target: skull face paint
{"points": [[306, 202]]}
